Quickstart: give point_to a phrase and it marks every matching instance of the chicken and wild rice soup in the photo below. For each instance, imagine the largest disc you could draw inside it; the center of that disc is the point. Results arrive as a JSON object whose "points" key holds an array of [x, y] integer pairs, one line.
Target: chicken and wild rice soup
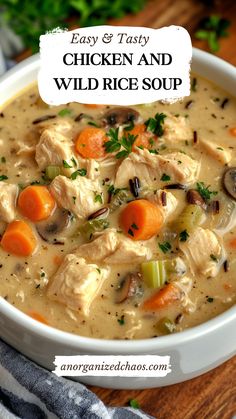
{"points": [[119, 222]]}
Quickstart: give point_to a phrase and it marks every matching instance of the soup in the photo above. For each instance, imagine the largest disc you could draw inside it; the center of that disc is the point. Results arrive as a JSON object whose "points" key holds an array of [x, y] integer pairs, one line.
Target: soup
{"points": [[119, 222]]}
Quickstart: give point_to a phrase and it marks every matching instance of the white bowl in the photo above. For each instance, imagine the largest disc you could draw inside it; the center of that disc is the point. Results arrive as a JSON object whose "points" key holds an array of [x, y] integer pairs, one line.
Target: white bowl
{"points": [[193, 352]]}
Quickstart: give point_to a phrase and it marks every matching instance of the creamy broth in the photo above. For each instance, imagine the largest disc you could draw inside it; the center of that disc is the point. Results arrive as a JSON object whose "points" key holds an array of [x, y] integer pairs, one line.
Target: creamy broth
{"points": [[24, 281]]}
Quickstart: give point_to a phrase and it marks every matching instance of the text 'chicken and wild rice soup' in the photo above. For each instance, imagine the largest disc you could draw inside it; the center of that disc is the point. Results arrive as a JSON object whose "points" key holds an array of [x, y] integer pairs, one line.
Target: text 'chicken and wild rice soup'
{"points": [[119, 222]]}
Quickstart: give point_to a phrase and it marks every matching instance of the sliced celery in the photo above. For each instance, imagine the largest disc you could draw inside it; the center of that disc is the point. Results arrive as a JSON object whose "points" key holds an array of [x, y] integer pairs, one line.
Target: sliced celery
{"points": [[154, 273], [165, 326], [190, 218], [118, 199], [90, 227], [52, 171], [175, 266]]}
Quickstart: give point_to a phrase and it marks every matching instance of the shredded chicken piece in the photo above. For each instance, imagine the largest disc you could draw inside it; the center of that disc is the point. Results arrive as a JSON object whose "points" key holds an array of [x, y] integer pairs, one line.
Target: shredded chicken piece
{"points": [[8, 196], [176, 128], [215, 150], [76, 283], [77, 196], [203, 251], [151, 167], [114, 248]]}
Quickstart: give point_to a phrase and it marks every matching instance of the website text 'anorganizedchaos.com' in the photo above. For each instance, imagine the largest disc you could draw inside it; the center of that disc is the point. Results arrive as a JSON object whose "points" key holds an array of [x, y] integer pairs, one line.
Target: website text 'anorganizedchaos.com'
{"points": [[125, 366]]}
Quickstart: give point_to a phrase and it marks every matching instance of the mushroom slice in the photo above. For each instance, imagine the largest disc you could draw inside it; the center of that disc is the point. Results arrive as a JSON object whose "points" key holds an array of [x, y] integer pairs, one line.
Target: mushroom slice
{"points": [[54, 225], [129, 286], [229, 181], [120, 116]]}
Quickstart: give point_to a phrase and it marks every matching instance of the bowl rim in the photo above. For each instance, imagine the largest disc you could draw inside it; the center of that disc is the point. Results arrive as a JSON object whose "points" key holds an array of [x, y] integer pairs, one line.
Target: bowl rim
{"points": [[120, 345]]}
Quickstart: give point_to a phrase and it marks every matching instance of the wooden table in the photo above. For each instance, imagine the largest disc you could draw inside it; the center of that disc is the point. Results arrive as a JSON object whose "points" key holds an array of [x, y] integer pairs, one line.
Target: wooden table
{"points": [[213, 395]]}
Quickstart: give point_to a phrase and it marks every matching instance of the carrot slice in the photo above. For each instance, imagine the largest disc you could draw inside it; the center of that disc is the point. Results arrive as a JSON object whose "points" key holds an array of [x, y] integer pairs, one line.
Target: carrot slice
{"points": [[19, 239], [38, 317], [57, 260], [141, 219], [164, 297], [232, 131], [232, 243], [145, 139], [90, 143], [36, 202]]}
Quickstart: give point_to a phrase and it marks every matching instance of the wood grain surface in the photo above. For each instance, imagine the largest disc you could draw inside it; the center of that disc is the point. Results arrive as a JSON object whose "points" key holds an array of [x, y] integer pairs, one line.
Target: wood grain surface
{"points": [[212, 395]]}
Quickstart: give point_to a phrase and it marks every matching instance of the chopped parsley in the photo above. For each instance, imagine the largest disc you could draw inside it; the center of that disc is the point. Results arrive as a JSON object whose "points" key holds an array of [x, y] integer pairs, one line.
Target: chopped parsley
{"points": [[115, 143], [74, 199], [3, 177], [3, 159], [165, 177], [42, 274], [74, 161], [205, 191], [183, 235], [121, 321], [130, 232], [154, 151], [134, 226], [114, 191], [130, 126], [65, 112], [214, 258], [98, 198], [165, 247], [79, 172], [134, 404], [155, 124], [99, 270], [210, 299], [93, 124]]}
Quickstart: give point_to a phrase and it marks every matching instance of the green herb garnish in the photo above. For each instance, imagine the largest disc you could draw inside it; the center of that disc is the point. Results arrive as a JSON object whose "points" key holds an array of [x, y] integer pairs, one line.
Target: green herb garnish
{"points": [[212, 28], [214, 258], [98, 198], [183, 236], [29, 20], [3, 159], [165, 177], [153, 151], [121, 321], [165, 247], [115, 143], [114, 191], [93, 124], [134, 404], [3, 177], [130, 232], [155, 124], [134, 226], [66, 165], [79, 172], [65, 112], [205, 191], [74, 161]]}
